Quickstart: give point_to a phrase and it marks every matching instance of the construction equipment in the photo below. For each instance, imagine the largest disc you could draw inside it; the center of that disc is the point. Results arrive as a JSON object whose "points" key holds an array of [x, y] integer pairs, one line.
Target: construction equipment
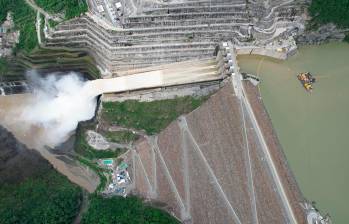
{"points": [[306, 80]]}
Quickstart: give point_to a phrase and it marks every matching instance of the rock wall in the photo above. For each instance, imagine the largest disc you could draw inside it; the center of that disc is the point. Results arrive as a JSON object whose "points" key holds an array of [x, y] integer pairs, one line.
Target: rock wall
{"points": [[165, 32], [323, 34]]}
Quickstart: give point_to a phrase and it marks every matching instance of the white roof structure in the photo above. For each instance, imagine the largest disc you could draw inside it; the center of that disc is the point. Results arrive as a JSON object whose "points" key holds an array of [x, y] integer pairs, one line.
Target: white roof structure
{"points": [[100, 8], [118, 5]]}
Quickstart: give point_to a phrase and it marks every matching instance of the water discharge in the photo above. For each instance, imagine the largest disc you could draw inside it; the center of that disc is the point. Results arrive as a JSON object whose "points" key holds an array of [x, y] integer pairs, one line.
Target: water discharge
{"points": [[51, 112], [54, 108], [48, 116], [59, 102]]}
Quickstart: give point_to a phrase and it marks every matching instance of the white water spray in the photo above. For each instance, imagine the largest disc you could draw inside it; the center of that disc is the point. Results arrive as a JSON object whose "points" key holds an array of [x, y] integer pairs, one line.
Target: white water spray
{"points": [[59, 103]]}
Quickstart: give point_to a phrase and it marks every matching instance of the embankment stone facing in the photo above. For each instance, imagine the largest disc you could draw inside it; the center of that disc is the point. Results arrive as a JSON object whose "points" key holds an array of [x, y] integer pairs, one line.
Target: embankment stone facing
{"points": [[210, 167], [289, 182]]}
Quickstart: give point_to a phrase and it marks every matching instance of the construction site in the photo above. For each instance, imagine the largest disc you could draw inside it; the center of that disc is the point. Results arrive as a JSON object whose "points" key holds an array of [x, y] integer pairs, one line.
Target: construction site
{"points": [[163, 32], [222, 162]]}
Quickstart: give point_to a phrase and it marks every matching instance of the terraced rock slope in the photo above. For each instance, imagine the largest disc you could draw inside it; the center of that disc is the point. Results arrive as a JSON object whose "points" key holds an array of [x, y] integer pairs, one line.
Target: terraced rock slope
{"points": [[162, 32]]}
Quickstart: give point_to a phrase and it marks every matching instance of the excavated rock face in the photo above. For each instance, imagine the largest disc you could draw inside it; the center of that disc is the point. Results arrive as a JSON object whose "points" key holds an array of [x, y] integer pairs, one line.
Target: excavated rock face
{"points": [[325, 33], [17, 162], [162, 32]]}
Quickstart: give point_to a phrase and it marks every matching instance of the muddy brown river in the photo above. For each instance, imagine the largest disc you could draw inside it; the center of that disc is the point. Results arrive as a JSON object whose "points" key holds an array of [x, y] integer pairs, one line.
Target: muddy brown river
{"points": [[37, 137], [313, 128]]}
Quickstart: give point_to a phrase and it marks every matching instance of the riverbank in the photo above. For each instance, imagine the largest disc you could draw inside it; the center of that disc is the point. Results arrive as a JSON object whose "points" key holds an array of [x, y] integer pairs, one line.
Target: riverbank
{"points": [[288, 180]]}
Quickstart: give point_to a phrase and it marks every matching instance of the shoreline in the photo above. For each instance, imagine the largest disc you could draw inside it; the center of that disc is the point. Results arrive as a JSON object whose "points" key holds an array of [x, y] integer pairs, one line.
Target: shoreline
{"points": [[289, 181]]}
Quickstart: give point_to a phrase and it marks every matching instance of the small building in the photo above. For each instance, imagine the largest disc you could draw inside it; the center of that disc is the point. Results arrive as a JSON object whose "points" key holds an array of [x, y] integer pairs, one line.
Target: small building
{"points": [[108, 162], [100, 8], [118, 5]]}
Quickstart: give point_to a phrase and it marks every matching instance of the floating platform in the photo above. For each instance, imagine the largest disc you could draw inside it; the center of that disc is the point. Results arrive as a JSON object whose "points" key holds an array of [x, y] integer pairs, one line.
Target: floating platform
{"points": [[307, 80]]}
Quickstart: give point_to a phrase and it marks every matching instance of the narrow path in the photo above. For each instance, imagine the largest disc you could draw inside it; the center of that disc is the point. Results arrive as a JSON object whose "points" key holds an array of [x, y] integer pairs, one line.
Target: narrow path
{"points": [[218, 187], [270, 161], [260, 136], [38, 26], [185, 165], [114, 145], [32, 4], [249, 167], [150, 187], [151, 143], [133, 130], [170, 180]]}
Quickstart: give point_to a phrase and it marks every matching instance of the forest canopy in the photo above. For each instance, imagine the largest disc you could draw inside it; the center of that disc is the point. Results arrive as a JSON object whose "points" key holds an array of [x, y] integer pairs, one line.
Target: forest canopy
{"points": [[129, 210], [70, 8], [48, 198], [327, 11]]}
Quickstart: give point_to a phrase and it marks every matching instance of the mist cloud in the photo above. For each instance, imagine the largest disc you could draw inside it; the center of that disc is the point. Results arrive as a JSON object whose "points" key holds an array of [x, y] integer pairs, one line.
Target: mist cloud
{"points": [[60, 102]]}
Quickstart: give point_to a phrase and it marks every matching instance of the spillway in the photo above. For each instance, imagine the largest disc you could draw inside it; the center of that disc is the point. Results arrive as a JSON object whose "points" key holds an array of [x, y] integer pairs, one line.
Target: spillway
{"points": [[183, 73]]}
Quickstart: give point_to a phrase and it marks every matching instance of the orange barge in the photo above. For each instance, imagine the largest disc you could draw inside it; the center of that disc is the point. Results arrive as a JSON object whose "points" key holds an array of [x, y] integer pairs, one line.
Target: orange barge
{"points": [[306, 80]]}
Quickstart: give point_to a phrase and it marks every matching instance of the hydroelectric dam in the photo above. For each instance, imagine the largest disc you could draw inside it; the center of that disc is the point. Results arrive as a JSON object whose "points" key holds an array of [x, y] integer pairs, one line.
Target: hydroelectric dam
{"points": [[221, 163]]}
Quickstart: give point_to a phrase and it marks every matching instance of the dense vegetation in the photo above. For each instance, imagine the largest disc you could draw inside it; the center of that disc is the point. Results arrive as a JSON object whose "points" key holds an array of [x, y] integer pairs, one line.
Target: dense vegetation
{"points": [[24, 18], [129, 210], [121, 136], [70, 8], [49, 198], [330, 11], [149, 116], [3, 66], [326, 11]]}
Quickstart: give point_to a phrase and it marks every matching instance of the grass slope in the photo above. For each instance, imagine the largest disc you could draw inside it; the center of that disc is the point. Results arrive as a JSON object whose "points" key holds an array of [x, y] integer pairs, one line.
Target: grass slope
{"points": [[121, 136], [149, 116]]}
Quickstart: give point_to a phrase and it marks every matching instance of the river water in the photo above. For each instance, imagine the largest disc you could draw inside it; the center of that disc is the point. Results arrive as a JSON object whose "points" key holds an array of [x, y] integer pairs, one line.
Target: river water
{"points": [[313, 128], [37, 137]]}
